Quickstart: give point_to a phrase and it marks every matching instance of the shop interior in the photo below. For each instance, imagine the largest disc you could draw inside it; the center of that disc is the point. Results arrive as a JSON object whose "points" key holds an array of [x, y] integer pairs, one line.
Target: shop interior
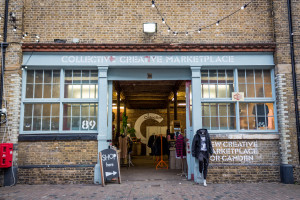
{"points": [[148, 117]]}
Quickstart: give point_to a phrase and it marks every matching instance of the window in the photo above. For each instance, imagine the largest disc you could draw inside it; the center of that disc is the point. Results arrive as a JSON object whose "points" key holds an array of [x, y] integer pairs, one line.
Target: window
{"points": [[220, 113], [60, 101]]}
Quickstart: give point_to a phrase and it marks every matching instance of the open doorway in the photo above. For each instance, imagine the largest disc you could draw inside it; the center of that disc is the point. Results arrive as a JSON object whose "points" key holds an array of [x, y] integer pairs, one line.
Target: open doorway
{"points": [[151, 114]]}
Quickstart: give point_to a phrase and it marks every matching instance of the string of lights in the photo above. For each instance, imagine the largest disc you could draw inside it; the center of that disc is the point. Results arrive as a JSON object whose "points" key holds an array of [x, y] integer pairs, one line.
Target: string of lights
{"points": [[217, 23], [13, 22]]}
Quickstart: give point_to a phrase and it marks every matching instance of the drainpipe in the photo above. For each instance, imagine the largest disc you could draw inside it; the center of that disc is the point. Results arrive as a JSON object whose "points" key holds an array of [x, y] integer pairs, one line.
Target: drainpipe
{"points": [[286, 170], [294, 73], [4, 45]]}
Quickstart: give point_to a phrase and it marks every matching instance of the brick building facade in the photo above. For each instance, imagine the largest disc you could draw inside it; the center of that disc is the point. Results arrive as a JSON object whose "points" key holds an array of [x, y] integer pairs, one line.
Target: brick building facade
{"points": [[113, 27]]}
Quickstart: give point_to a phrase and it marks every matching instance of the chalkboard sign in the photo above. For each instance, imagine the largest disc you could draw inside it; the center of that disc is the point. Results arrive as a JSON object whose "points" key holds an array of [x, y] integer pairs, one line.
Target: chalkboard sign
{"points": [[109, 165]]}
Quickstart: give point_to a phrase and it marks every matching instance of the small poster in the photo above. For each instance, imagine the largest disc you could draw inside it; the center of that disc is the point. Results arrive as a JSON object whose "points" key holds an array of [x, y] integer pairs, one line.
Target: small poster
{"points": [[109, 165], [237, 96]]}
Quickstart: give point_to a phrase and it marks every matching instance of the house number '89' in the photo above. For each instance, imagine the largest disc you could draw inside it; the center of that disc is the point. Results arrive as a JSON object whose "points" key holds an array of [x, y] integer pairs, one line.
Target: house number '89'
{"points": [[88, 124]]}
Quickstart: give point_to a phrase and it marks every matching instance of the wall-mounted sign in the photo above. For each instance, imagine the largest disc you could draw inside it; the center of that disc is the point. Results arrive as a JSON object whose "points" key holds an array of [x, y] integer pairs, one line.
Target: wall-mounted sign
{"points": [[141, 119], [234, 151], [237, 96]]}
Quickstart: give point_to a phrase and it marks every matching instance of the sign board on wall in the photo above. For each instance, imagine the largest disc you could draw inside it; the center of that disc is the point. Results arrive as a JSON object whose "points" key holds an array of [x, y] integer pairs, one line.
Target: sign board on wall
{"points": [[234, 151], [109, 165]]}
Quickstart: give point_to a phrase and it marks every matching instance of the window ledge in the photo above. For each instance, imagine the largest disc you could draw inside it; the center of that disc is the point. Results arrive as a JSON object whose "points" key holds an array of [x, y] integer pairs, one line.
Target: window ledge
{"points": [[246, 136]]}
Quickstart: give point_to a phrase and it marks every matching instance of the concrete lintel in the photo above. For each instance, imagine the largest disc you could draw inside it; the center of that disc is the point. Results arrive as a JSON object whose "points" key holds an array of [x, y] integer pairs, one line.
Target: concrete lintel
{"points": [[246, 136]]}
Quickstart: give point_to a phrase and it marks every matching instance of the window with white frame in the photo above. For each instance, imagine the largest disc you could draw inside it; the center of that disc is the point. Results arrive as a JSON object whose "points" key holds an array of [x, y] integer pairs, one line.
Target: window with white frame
{"points": [[221, 113], [60, 101]]}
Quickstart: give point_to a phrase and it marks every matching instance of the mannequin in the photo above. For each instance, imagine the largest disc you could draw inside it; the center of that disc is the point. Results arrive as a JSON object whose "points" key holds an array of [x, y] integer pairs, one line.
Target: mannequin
{"points": [[202, 149]]}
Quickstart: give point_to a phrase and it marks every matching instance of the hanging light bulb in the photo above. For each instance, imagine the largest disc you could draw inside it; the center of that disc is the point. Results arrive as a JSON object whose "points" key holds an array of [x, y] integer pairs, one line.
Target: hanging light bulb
{"points": [[199, 30], [0, 35], [25, 34], [175, 33], [169, 29], [15, 29], [163, 21], [38, 37], [153, 4], [244, 6], [218, 22], [187, 33]]}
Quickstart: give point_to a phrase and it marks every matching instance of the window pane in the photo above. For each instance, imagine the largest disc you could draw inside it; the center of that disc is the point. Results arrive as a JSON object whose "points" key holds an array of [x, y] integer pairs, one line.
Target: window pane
{"points": [[84, 109], [85, 91], [68, 91], [222, 91], [46, 109], [244, 123], [27, 123], [37, 110], [212, 76], [250, 76], [205, 109], [93, 109], [258, 76], [54, 123], [250, 90], [67, 110], [28, 110], [55, 91], [259, 90], [75, 110], [76, 91], [67, 123], [204, 76], [68, 76], [241, 74], [268, 90], [213, 109], [267, 76], [242, 88], [206, 122], [230, 78], [47, 76], [38, 92], [30, 76], [212, 91], [223, 109], [223, 123], [205, 93], [232, 123], [230, 89], [92, 91], [221, 77], [46, 124], [85, 76], [56, 76], [252, 124], [29, 91], [93, 123], [76, 76], [214, 123], [55, 109], [94, 76], [47, 91], [38, 76], [37, 123], [75, 123]]}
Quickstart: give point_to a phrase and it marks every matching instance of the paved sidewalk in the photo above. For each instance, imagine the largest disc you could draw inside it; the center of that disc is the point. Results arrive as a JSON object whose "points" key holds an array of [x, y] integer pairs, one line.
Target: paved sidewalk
{"points": [[153, 189]]}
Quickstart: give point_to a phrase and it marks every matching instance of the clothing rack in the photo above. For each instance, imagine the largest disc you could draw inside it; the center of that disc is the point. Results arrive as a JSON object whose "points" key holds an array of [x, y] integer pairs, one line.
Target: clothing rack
{"points": [[161, 164]]}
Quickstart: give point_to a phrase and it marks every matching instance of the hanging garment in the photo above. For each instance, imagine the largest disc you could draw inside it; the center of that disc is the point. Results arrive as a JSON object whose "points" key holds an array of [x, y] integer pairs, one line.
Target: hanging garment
{"points": [[180, 146], [156, 148], [123, 146]]}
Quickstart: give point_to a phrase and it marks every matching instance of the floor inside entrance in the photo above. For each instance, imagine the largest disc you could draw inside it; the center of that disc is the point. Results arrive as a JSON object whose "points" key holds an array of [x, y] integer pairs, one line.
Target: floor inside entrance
{"points": [[144, 169]]}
